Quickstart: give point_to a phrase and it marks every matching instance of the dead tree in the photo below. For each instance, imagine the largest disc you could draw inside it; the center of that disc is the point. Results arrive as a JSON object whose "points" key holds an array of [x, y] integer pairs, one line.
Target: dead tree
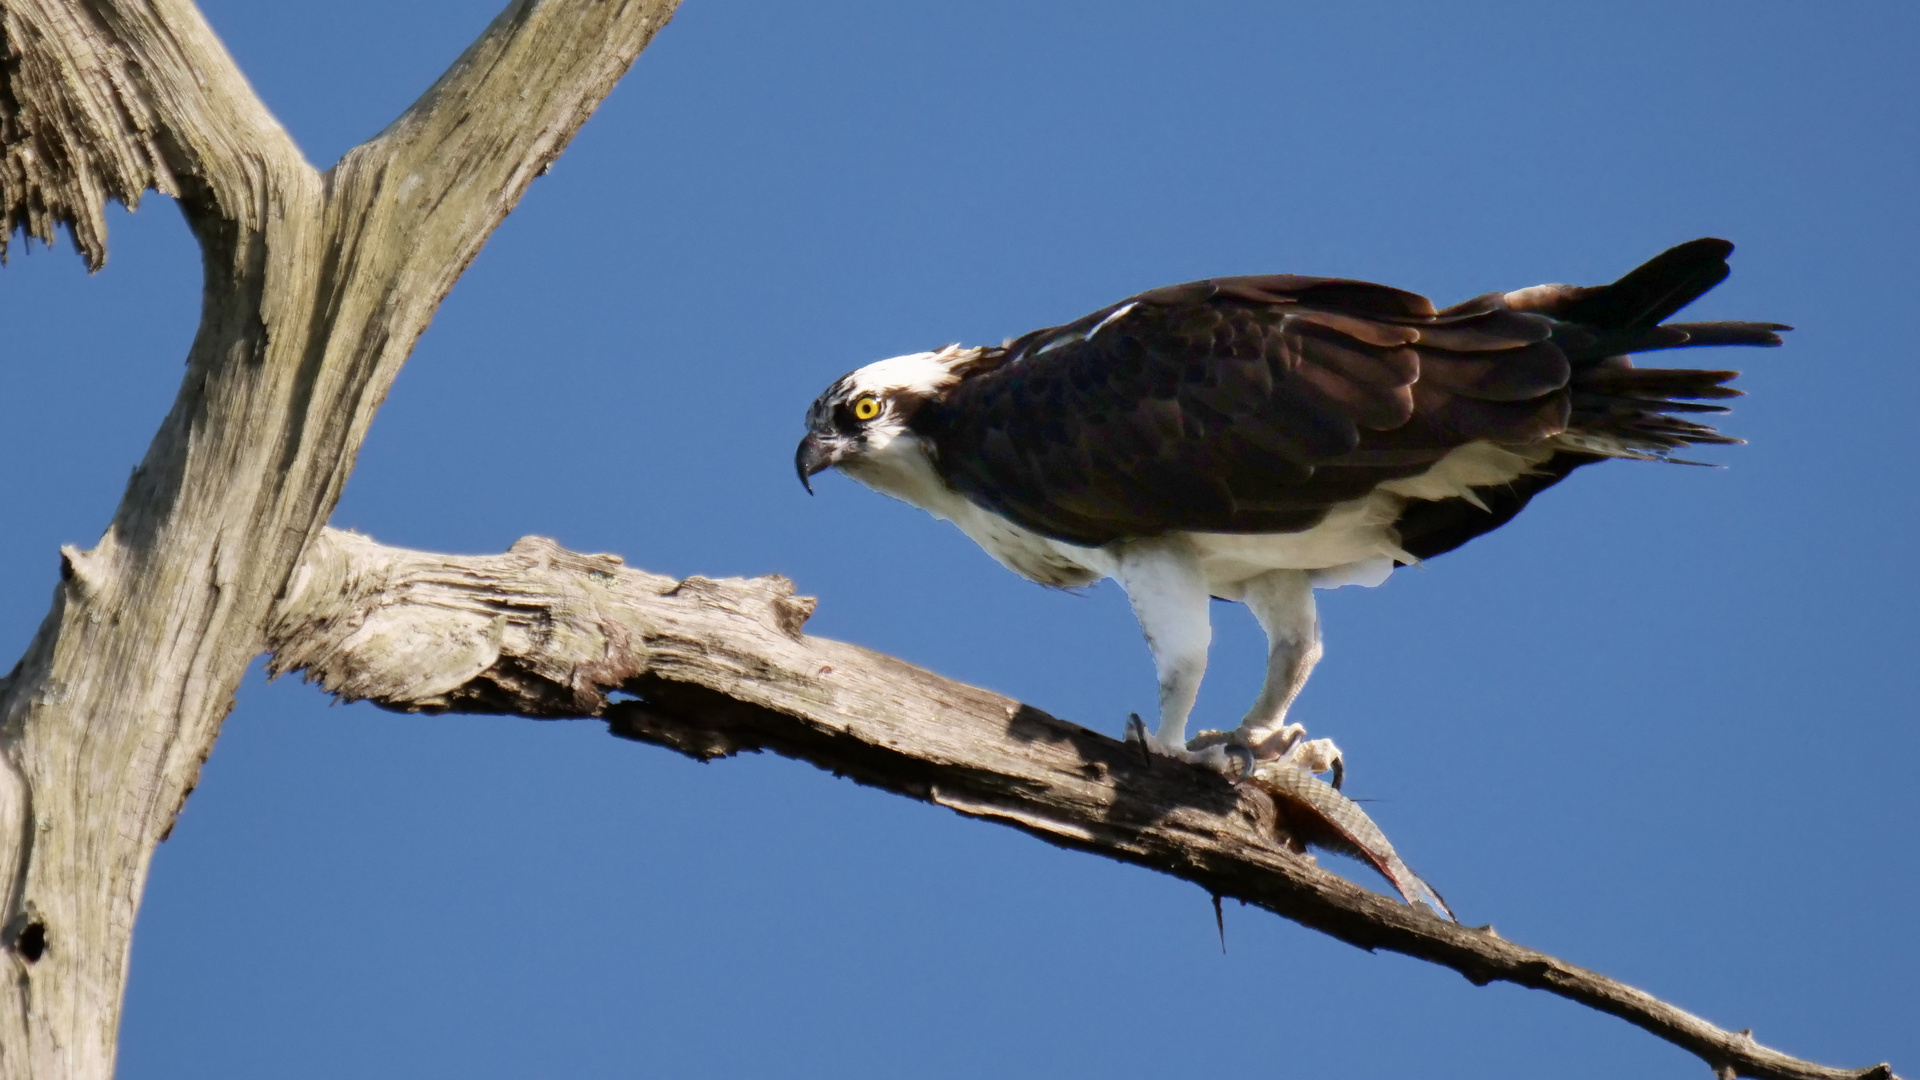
{"points": [[316, 287]]}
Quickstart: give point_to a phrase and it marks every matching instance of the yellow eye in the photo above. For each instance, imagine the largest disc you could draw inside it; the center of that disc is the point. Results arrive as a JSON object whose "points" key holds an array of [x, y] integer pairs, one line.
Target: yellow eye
{"points": [[866, 408]]}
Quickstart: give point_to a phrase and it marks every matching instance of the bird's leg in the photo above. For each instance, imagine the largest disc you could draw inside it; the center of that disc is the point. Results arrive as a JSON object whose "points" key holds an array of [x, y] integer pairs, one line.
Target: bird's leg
{"points": [[1282, 600], [1169, 593]]}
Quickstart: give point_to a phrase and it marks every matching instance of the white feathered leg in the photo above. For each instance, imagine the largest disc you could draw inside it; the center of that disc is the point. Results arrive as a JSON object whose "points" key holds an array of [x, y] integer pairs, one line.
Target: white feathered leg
{"points": [[1169, 593], [1282, 600]]}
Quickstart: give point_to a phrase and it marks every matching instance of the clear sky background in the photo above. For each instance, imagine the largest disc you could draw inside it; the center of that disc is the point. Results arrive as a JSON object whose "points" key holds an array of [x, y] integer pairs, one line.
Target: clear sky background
{"points": [[1663, 725]]}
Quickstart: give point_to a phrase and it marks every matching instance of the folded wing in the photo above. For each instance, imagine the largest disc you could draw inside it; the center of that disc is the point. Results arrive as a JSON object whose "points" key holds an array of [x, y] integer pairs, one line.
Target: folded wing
{"points": [[1256, 404]]}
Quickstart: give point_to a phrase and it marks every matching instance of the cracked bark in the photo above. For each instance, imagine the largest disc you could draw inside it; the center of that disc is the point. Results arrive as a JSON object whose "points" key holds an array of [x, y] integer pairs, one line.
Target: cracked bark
{"points": [[317, 285], [717, 668], [316, 288]]}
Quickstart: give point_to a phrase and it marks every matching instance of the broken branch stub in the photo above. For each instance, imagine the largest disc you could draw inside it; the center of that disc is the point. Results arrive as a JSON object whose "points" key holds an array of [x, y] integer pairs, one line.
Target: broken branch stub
{"points": [[722, 667], [75, 131]]}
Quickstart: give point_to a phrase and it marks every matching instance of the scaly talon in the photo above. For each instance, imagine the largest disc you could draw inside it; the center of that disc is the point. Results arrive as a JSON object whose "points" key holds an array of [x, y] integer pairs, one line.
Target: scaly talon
{"points": [[1284, 747], [1226, 746], [1209, 738]]}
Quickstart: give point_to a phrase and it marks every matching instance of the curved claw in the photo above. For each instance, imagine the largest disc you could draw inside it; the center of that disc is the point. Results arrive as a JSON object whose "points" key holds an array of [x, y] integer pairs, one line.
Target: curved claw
{"points": [[1241, 751], [1339, 773], [1137, 733]]}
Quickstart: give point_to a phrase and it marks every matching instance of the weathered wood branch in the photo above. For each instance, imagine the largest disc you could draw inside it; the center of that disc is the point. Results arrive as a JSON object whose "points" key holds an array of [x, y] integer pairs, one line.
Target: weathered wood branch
{"points": [[722, 667], [316, 289]]}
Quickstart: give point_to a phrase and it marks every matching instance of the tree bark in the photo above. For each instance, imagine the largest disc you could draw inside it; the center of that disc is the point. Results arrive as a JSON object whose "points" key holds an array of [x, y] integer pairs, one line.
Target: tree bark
{"points": [[715, 668], [317, 287]]}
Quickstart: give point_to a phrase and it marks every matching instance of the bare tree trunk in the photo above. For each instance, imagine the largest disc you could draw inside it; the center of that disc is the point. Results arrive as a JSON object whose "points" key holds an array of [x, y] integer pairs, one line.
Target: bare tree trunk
{"points": [[317, 287]]}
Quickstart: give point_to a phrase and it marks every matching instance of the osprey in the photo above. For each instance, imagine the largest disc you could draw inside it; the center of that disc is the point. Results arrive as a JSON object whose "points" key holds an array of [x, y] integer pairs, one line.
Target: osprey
{"points": [[1255, 438]]}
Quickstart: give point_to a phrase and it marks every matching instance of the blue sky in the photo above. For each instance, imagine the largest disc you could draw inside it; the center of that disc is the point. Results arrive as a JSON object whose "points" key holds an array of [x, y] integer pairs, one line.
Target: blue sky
{"points": [[1663, 725]]}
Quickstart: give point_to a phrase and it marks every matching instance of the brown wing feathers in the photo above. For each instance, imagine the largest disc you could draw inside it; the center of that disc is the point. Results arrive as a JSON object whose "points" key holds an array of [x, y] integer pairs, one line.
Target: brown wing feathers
{"points": [[1255, 404]]}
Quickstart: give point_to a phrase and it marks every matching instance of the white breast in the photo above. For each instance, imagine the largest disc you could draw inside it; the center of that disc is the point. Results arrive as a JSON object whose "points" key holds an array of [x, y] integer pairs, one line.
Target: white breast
{"points": [[901, 467]]}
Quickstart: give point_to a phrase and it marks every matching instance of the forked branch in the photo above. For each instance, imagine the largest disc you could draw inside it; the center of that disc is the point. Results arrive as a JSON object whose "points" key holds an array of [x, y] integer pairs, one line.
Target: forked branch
{"points": [[722, 667], [316, 289]]}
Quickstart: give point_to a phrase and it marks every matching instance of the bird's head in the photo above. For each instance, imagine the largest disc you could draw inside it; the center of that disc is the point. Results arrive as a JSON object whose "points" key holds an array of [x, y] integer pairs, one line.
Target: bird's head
{"points": [[866, 412]]}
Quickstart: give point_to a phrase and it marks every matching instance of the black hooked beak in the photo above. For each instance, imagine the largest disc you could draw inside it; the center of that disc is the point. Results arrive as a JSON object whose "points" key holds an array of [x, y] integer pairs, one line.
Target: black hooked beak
{"points": [[813, 455]]}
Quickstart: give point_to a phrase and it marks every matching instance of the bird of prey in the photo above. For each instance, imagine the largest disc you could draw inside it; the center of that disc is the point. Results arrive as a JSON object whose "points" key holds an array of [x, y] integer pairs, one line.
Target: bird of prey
{"points": [[1255, 438]]}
